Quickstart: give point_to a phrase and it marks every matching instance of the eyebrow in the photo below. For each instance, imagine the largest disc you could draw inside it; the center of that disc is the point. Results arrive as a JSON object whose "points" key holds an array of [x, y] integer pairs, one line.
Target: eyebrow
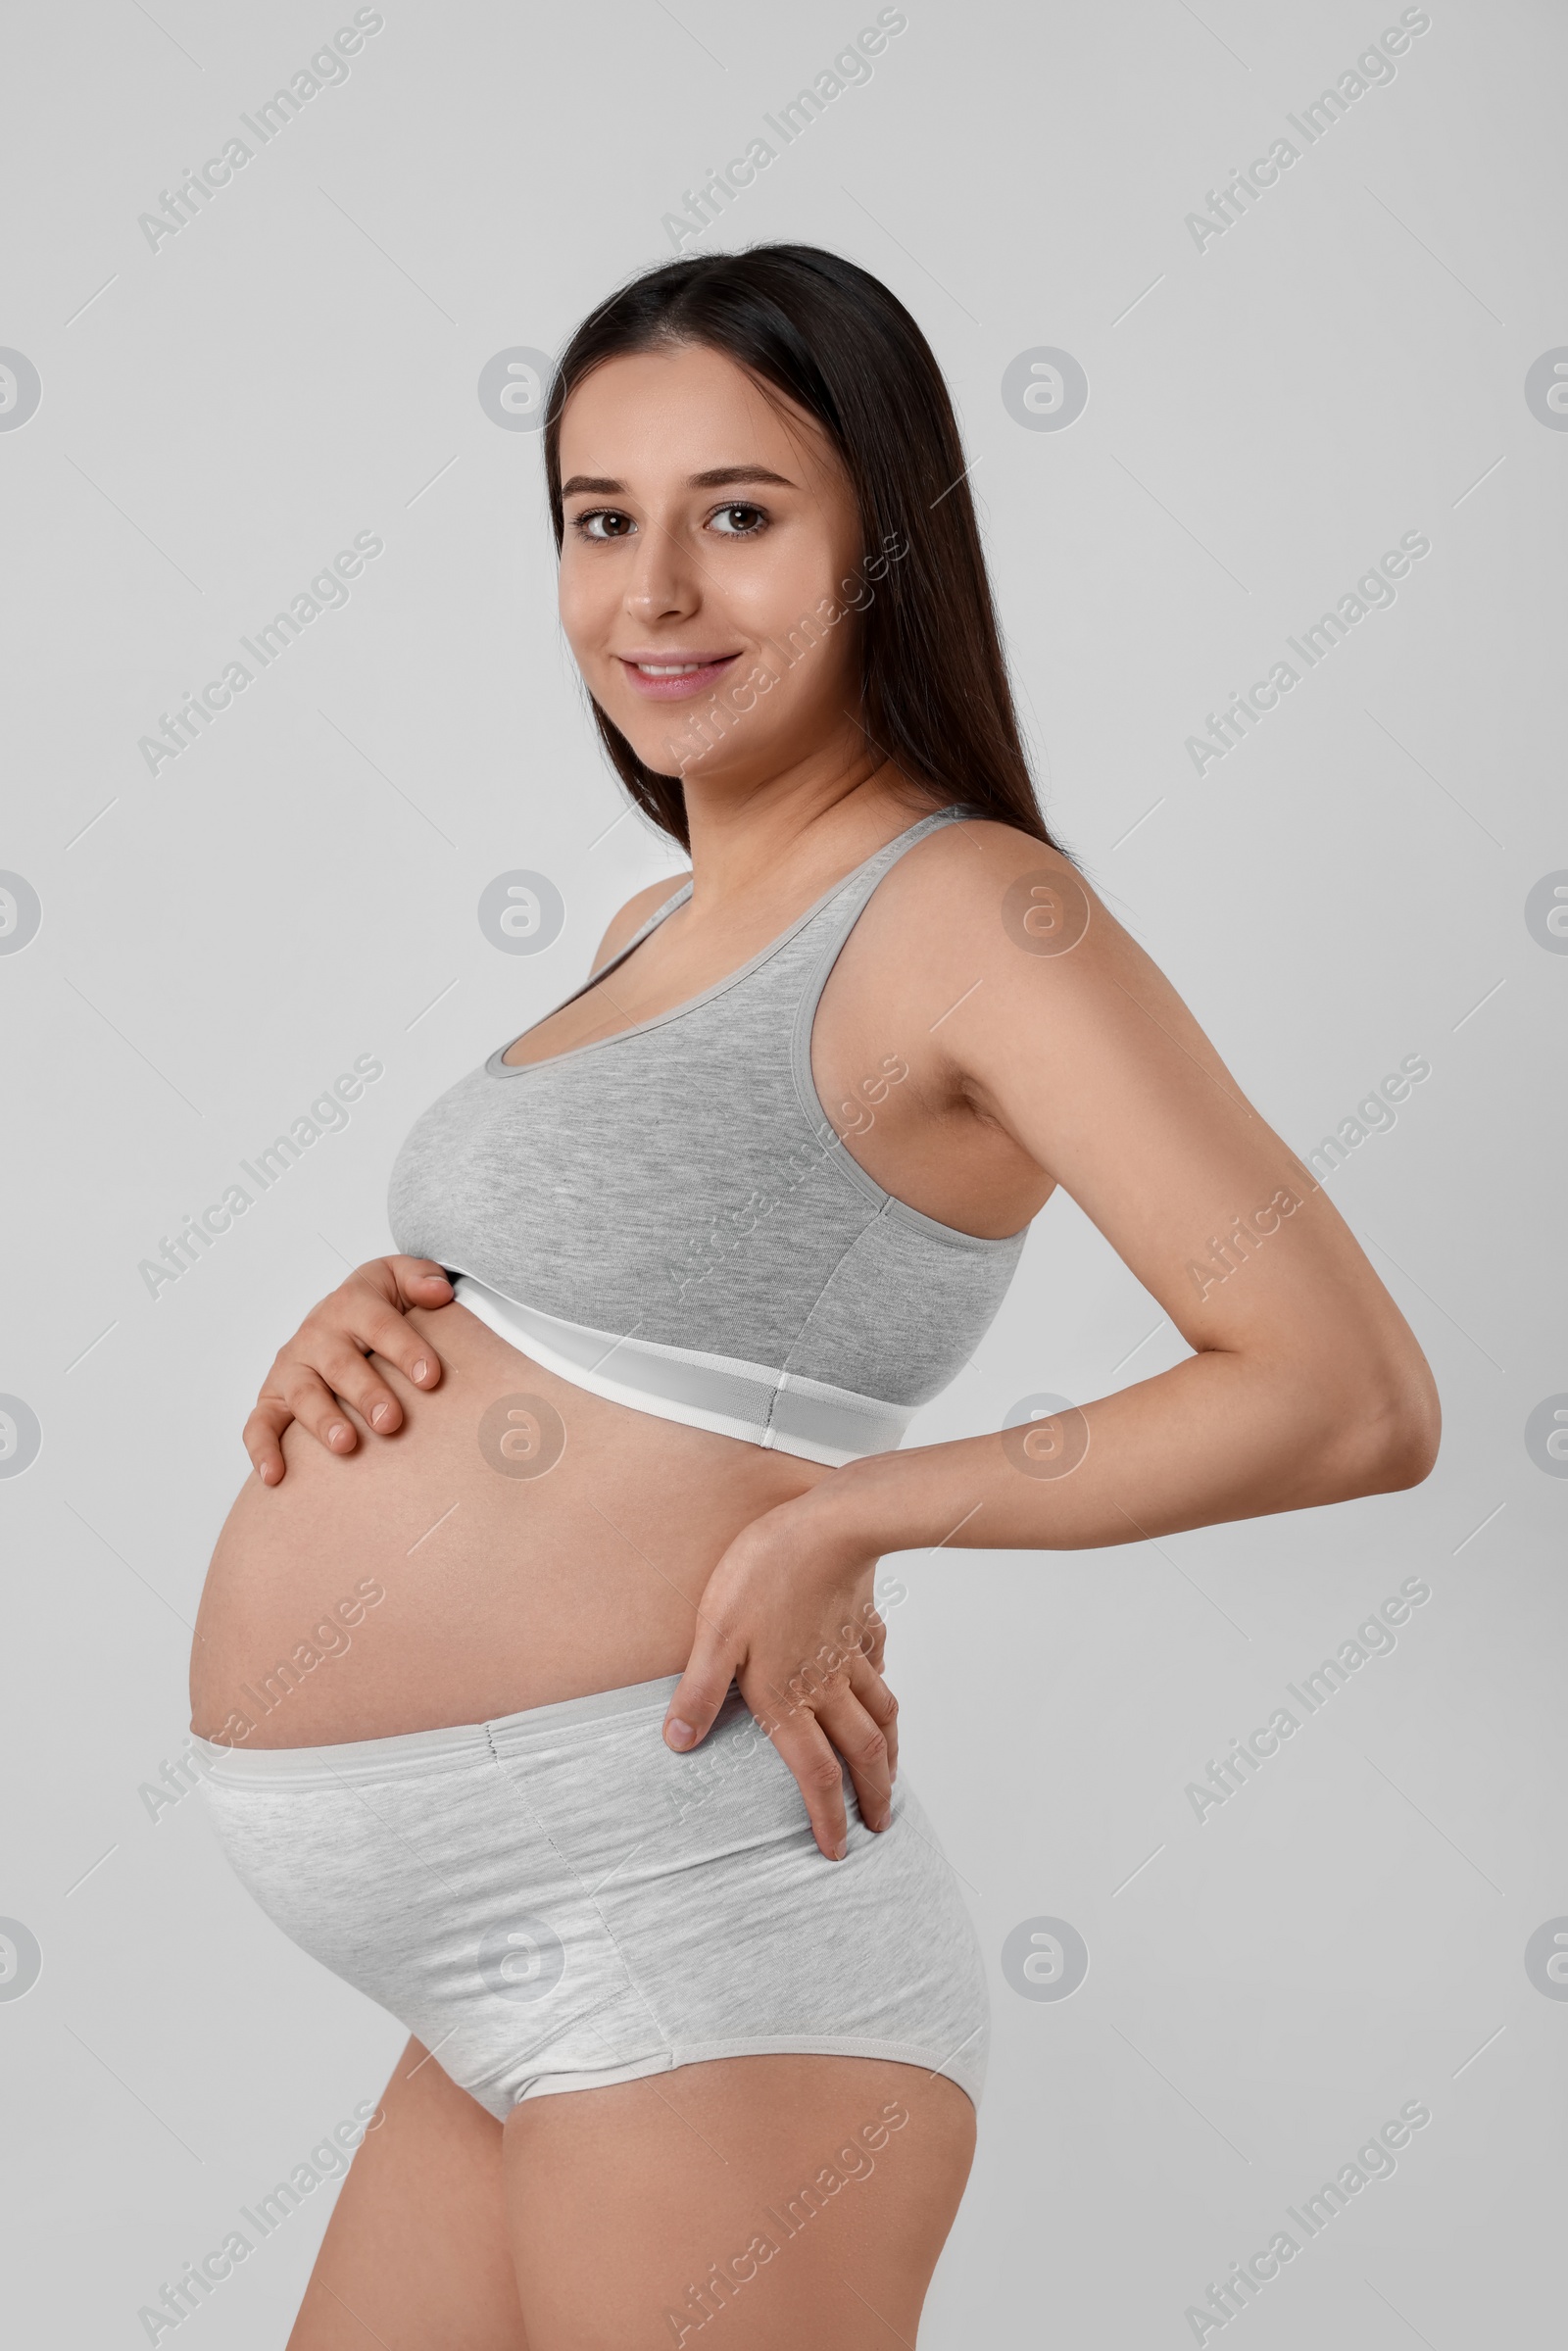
{"points": [[718, 478]]}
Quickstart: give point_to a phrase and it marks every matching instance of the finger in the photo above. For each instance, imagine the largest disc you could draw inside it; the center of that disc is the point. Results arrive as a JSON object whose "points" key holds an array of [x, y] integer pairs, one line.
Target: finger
{"points": [[862, 1634], [862, 1742], [397, 1342], [374, 1320], [263, 1434], [703, 1688], [865, 1680], [420, 1281], [337, 1365], [314, 1406], [804, 1746]]}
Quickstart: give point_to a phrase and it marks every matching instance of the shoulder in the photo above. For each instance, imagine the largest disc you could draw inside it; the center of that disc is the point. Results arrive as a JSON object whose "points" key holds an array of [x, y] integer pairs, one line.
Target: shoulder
{"points": [[1012, 930], [985, 906], [984, 846], [981, 878], [630, 919]]}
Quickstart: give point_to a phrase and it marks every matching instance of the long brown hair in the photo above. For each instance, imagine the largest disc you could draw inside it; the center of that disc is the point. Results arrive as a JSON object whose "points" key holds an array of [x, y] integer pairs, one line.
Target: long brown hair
{"points": [[832, 338]]}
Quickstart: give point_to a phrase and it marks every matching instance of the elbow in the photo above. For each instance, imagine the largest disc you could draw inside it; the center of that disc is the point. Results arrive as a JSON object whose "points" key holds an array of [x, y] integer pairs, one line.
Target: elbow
{"points": [[1393, 1433]]}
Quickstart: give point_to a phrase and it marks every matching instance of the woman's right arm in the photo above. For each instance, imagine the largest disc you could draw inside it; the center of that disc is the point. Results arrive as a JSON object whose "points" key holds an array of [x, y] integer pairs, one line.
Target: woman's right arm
{"points": [[326, 1361]]}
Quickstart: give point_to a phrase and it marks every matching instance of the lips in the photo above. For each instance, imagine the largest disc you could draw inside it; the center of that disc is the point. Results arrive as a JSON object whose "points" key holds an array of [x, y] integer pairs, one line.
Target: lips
{"points": [[674, 676]]}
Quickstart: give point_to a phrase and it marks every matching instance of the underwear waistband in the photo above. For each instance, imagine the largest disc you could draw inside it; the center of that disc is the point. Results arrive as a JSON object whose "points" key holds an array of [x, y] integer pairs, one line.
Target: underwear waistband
{"points": [[458, 1742]]}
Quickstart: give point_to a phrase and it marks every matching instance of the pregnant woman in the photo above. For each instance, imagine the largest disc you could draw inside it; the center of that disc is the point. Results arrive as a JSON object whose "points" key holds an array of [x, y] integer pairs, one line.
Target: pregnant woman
{"points": [[600, 1798]]}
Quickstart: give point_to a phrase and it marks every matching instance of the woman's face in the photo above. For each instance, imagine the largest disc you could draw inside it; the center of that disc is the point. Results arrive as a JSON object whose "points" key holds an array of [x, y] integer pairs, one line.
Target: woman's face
{"points": [[709, 571]]}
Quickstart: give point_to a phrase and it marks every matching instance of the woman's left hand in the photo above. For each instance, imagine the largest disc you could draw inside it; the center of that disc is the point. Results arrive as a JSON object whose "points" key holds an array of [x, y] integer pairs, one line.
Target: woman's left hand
{"points": [[788, 1613]]}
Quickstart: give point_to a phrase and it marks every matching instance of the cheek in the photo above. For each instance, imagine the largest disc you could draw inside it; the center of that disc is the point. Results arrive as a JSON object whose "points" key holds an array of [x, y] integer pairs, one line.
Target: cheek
{"points": [[793, 578], [588, 598], [789, 601]]}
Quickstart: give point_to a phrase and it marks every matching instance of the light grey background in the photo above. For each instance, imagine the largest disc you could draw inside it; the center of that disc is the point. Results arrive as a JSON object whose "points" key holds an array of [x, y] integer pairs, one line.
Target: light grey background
{"points": [[1265, 416]]}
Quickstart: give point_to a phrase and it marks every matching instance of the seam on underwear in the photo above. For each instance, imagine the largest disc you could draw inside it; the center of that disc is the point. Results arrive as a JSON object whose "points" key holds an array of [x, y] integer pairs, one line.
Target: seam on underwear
{"points": [[570, 1867], [626, 1991]]}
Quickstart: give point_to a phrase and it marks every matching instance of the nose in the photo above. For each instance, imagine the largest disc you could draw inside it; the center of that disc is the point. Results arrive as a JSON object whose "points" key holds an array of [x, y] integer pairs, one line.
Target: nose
{"points": [[665, 581]]}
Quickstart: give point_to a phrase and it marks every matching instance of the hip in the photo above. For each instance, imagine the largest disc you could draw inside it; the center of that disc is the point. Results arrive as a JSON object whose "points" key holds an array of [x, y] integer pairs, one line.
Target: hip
{"points": [[559, 1899]]}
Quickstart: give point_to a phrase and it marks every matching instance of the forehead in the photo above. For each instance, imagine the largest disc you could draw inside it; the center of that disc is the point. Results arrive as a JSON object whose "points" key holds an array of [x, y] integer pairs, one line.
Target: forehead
{"points": [[657, 416]]}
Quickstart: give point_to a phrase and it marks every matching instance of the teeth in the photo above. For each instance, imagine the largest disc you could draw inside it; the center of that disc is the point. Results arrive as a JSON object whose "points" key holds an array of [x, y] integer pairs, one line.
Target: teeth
{"points": [[673, 670]]}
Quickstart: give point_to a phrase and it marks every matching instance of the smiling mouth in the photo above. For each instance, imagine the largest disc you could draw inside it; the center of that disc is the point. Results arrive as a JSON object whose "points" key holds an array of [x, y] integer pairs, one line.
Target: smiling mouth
{"points": [[674, 680]]}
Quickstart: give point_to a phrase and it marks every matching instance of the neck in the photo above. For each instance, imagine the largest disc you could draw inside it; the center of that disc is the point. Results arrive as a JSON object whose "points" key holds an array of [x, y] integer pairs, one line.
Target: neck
{"points": [[824, 813]]}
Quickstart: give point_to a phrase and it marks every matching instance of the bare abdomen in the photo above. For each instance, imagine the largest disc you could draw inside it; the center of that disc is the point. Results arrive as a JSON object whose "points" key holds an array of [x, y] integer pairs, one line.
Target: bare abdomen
{"points": [[518, 1541]]}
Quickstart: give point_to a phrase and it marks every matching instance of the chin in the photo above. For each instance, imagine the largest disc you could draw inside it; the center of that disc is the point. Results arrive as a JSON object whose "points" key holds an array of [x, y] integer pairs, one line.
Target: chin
{"points": [[672, 749], [663, 754]]}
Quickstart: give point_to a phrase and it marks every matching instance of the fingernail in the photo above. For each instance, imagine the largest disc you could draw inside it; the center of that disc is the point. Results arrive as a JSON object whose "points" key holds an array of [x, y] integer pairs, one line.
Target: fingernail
{"points": [[421, 1369], [886, 1821], [382, 1412], [841, 1848], [680, 1733], [337, 1432]]}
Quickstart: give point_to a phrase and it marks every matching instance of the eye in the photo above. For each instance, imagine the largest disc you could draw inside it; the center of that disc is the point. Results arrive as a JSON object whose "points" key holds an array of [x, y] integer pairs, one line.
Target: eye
{"points": [[739, 521], [615, 524]]}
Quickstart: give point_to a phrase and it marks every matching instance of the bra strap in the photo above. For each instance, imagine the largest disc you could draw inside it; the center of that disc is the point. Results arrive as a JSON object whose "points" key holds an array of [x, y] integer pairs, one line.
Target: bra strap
{"points": [[840, 918], [847, 908]]}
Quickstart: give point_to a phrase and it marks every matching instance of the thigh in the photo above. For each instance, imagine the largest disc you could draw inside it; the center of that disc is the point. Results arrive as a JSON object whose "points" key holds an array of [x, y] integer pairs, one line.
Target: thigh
{"points": [[804, 2198], [415, 2253]]}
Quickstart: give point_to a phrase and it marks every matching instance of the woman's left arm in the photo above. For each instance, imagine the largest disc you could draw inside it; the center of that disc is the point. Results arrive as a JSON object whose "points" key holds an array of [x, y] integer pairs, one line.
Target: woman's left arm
{"points": [[1306, 1385]]}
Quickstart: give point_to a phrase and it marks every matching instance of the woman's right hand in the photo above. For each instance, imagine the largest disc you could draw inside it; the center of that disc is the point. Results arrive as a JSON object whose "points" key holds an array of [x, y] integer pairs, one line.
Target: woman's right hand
{"points": [[323, 1366]]}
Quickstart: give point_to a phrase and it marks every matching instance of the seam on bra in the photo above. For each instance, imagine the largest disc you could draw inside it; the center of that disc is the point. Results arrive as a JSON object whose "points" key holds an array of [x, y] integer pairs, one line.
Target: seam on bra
{"points": [[828, 1282]]}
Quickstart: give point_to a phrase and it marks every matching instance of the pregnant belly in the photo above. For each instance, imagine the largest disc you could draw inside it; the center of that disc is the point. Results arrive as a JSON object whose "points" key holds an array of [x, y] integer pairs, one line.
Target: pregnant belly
{"points": [[518, 1541]]}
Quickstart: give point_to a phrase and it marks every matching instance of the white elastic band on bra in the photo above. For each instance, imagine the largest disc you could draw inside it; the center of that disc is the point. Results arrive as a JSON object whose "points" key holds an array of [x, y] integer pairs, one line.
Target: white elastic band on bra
{"points": [[780, 1410]]}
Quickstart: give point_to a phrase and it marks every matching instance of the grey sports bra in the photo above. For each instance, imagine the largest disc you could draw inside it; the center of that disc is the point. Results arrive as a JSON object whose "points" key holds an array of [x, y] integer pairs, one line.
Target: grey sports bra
{"points": [[667, 1215]]}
